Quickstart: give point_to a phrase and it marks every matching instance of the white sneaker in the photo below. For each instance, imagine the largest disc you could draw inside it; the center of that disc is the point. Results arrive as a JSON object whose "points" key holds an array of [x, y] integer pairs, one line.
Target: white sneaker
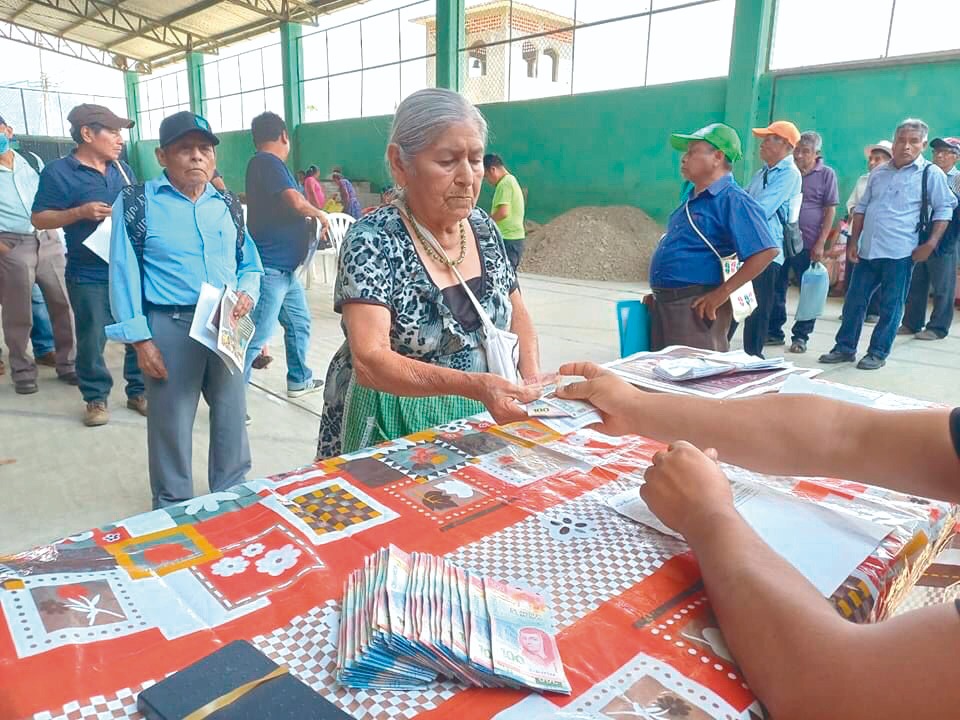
{"points": [[314, 386]]}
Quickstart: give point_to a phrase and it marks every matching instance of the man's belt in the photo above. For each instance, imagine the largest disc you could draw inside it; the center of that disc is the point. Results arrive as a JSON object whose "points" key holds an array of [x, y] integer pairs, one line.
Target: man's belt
{"points": [[170, 308], [681, 293]]}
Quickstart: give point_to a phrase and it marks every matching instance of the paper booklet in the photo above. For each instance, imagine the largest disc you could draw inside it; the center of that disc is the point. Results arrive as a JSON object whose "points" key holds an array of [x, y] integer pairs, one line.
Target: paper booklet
{"points": [[216, 329]]}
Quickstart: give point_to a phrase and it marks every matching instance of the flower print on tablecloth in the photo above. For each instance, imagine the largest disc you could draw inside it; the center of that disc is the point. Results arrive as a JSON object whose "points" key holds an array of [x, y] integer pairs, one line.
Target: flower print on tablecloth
{"points": [[255, 566], [211, 505], [49, 611], [563, 526], [278, 561], [227, 566]]}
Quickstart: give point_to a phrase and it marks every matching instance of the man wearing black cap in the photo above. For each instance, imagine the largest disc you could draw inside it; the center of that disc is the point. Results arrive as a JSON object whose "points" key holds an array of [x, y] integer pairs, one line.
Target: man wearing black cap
{"points": [[937, 275], [28, 256], [75, 194], [170, 235]]}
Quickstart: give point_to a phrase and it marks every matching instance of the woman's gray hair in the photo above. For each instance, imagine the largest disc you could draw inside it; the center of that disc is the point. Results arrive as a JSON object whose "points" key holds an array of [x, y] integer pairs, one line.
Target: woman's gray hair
{"points": [[812, 140], [425, 115], [913, 124]]}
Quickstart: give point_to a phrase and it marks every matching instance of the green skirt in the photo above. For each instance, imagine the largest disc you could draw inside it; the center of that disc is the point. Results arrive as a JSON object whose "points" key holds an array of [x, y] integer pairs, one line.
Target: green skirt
{"points": [[371, 417]]}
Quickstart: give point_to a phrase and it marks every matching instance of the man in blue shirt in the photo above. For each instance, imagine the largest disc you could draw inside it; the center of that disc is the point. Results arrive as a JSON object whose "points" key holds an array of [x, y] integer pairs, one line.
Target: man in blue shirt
{"points": [[888, 221], [775, 186], [75, 194], [28, 257], [277, 213], [690, 296], [189, 238], [937, 275]]}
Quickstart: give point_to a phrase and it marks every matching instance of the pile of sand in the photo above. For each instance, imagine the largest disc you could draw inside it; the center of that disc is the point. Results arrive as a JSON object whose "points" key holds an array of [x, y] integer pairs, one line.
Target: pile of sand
{"points": [[593, 243]]}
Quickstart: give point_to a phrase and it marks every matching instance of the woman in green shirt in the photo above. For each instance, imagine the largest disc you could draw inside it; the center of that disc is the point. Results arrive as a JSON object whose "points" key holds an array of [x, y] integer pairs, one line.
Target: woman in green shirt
{"points": [[414, 354]]}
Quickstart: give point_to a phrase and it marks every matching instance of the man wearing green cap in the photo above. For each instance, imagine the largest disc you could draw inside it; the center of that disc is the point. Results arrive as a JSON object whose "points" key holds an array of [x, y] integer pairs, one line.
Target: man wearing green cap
{"points": [[690, 295]]}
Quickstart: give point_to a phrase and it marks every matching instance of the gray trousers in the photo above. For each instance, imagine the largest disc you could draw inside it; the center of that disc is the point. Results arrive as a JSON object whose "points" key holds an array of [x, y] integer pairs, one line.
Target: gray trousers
{"points": [[34, 258], [673, 321], [192, 371]]}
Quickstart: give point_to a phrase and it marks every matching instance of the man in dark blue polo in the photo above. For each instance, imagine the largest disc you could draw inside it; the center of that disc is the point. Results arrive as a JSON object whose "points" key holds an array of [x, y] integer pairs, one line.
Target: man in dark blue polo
{"points": [[76, 193], [691, 298]]}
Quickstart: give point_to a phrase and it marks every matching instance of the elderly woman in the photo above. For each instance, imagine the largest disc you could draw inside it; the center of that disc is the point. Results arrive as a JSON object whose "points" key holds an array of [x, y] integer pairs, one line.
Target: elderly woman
{"points": [[414, 352]]}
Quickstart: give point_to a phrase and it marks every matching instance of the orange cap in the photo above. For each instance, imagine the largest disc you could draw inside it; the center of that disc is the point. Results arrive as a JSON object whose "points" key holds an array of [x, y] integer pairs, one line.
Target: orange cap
{"points": [[782, 129]]}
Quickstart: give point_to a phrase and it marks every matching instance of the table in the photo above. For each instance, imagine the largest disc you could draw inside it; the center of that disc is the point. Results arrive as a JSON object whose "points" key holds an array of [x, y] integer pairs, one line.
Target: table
{"points": [[90, 620]]}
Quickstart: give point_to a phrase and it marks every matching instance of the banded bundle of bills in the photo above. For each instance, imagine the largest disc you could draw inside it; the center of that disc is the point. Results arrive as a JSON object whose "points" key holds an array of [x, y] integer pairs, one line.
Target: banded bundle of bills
{"points": [[409, 619]]}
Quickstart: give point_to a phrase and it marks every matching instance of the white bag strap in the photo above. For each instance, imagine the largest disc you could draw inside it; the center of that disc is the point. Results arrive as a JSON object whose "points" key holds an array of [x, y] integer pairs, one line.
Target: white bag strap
{"points": [[703, 237], [123, 174], [484, 318]]}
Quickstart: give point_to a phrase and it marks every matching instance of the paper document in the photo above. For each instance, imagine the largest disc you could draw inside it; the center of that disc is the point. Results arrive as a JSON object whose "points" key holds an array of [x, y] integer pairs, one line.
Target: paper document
{"points": [[824, 545], [693, 368], [215, 328], [98, 241]]}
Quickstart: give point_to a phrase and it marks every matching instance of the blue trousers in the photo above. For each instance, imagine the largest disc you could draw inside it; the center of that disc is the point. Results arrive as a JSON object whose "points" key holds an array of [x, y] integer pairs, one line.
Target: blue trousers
{"points": [[41, 334], [282, 300], [936, 276], [890, 279], [91, 311]]}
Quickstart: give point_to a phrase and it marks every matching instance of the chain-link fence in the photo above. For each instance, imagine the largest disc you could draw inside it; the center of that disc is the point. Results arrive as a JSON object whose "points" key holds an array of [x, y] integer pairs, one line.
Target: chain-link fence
{"points": [[44, 112]]}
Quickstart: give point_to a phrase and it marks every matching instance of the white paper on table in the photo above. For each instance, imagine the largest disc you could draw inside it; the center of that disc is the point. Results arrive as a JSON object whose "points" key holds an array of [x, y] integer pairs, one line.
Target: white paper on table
{"points": [[800, 385], [824, 545], [98, 241], [209, 300]]}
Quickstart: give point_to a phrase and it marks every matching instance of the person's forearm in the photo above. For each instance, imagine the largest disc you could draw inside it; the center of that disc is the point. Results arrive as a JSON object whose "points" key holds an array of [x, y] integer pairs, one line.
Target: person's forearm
{"points": [[390, 372], [807, 435], [53, 219], [826, 225], [786, 638], [936, 232], [753, 266], [522, 325], [299, 205], [499, 212], [856, 229]]}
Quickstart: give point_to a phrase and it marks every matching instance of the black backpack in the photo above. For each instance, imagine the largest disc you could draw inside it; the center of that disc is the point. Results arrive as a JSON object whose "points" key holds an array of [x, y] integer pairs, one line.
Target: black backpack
{"points": [[135, 218]]}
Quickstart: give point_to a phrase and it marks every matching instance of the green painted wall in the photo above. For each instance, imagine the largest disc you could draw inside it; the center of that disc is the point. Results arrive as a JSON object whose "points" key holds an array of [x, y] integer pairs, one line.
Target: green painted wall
{"points": [[856, 107], [233, 152], [596, 149]]}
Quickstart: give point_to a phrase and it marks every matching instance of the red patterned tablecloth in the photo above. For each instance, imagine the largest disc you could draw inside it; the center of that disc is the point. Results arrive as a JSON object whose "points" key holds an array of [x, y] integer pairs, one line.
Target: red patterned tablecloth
{"points": [[90, 620]]}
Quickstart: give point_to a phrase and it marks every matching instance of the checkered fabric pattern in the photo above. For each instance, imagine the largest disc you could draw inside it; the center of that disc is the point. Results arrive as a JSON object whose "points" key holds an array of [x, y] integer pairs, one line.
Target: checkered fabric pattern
{"points": [[921, 597], [578, 571], [121, 704], [307, 646], [332, 509]]}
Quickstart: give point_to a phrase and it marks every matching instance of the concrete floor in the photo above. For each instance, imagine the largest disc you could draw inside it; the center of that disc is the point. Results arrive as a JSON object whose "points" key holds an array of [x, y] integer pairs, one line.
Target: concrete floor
{"points": [[59, 477]]}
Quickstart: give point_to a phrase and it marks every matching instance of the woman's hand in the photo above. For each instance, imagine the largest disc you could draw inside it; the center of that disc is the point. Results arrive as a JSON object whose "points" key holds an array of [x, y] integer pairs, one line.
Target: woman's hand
{"points": [[615, 399], [502, 398]]}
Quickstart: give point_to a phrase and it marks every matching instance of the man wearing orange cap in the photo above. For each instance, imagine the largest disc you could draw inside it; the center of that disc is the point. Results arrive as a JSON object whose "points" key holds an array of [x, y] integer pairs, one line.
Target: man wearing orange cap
{"points": [[774, 187], [937, 275]]}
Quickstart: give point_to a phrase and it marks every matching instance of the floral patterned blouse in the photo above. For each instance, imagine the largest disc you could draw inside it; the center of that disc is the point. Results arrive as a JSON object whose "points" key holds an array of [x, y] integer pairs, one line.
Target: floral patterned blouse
{"points": [[379, 265]]}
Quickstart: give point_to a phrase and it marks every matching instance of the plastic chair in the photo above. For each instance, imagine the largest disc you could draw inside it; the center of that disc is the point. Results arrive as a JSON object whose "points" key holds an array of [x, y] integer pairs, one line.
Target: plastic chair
{"points": [[633, 322], [339, 224]]}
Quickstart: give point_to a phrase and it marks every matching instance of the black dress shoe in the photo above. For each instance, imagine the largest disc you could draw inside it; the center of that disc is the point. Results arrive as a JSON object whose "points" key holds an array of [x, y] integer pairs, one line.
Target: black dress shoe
{"points": [[25, 387]]}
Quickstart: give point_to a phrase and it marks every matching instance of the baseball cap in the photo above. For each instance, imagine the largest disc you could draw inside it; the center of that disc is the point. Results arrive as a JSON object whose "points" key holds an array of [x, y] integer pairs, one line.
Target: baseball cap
{"points": [[723, 137], [782, 129], [950, 143], [179, 124], [88, 114], [884, 145]]}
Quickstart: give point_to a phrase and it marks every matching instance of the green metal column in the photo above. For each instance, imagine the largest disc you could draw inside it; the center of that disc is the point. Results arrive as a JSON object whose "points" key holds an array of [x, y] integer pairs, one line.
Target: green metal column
{"points": [[195, 81], [132, 92], [749, 55], [293, 102], [450, 38]]}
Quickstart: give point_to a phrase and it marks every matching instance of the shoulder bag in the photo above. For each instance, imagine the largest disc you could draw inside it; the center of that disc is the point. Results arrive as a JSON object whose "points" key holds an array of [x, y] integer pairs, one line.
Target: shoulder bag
{"points": [[743, 299]]}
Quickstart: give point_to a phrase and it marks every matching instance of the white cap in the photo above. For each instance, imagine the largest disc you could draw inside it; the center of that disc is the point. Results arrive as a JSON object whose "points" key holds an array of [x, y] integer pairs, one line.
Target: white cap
{"points": [[884, 145]]}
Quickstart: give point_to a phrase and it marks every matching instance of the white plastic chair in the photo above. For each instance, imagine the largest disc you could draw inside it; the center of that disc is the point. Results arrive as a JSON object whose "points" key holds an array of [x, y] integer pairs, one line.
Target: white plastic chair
{"points": [[339, 224]]}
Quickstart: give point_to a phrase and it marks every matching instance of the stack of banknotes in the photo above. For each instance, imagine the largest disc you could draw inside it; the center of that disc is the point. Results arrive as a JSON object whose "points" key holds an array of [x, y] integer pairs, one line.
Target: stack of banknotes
{"points": [[411, 619]]}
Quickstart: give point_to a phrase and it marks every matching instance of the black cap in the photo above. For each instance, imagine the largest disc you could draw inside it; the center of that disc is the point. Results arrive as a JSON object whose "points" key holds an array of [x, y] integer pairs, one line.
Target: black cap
{"points": [[87, 114], [950, 143], [179, 124]]}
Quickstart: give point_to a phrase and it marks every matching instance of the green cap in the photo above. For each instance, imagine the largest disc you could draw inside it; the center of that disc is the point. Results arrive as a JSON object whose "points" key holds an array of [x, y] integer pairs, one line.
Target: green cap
{"points": [[723, 137]]}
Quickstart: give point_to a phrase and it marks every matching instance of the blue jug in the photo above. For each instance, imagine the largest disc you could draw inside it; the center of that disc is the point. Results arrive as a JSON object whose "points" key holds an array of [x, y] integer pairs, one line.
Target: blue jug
{"points": [[814, 286]]}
